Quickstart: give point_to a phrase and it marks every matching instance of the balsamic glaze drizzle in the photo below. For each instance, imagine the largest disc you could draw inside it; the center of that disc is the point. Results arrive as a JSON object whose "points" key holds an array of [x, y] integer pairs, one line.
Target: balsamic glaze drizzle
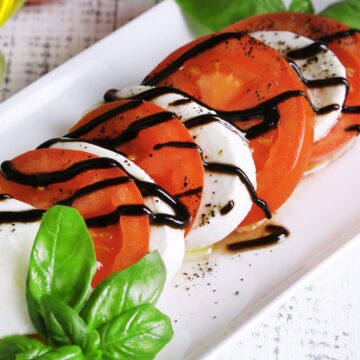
{"points": [[131, 132], [23, 216], [267, 110], [308, 51], [227, 208], [207, 44], [224, 169], [339, 35], [190, 192], [47, 178], [4, 197], [348, 109], [319, 83], [89, 189], [179, 220], [276, 233], [354, 127], [103, 118]]}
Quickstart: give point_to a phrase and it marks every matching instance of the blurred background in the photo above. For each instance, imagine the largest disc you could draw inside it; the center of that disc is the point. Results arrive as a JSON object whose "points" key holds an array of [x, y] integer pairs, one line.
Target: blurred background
{"points": [[45, 33]]}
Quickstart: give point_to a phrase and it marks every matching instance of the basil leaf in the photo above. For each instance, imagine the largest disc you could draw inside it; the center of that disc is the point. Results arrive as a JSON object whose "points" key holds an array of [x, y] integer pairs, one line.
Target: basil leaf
{"points": [[139, 284], [62, 262], [64, 326], [63, 353], [220, 13], [347, 11], [140, 333], [10, 346], [304, 6], [32, 354]]}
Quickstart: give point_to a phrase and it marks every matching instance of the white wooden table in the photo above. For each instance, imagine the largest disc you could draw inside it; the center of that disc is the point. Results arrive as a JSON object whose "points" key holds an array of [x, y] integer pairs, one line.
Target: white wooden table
{"points": [[320, 322]]}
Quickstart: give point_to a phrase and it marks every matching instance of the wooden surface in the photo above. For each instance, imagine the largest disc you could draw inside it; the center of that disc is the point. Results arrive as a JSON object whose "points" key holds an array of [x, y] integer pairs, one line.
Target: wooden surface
{"points": [[320, 322]]}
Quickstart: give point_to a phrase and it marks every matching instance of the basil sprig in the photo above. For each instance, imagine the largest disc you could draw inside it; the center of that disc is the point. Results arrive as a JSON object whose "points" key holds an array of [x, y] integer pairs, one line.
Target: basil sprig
{"points": [[220, 13], [62, 262], [117, 320]]}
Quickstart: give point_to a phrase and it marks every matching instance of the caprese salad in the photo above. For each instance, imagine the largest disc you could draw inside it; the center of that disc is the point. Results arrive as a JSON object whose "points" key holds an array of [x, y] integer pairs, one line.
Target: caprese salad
{"points": [[216, 137]]}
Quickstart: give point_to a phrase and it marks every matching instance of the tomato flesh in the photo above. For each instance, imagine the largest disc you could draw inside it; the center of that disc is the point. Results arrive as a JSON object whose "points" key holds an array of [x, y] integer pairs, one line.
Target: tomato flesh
{"points": [[130, 237], [175, 169], [346, 49], [240, 74]]}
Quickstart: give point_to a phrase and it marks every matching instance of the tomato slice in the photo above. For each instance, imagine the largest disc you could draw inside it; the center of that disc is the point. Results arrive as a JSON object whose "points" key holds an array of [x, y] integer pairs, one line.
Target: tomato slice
{"points": [[128, 239], [175, 169], [346, 49], [241, 73]]}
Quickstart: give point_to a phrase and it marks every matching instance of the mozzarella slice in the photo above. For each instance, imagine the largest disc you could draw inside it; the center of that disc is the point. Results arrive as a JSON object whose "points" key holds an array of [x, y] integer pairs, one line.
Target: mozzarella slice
{"points": [[16, 242], [219, 144], [322, 66], [167, 240]]}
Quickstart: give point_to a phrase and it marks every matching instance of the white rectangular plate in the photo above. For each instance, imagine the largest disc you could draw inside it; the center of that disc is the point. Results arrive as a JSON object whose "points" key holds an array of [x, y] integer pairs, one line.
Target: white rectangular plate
{"points": [[211, 299]]}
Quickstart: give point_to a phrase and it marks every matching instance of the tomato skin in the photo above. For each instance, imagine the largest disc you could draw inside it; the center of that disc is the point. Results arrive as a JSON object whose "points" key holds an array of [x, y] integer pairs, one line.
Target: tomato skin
{"points": [[131, 233], [175, 169], [239, 74], [346, 49]]}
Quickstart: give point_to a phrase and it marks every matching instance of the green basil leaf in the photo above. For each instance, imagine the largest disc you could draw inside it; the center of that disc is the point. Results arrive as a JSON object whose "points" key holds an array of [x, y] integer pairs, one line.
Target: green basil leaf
{"points": [[347, 11], [62, 262], [140, 333], [32, 354], [220, 13], [64, 326], [63, 353], [10, 346], [139, 284], [304, 6]]}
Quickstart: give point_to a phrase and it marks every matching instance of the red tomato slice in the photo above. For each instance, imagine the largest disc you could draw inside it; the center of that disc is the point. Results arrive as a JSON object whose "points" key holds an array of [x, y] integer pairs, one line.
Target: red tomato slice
{"points": [[346, 49], [129, 238], [175, 169], [240, 74]]}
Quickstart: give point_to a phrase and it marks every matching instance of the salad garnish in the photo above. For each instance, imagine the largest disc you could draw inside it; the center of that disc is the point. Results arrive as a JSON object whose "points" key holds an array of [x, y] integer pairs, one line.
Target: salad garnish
{"points": [[116, 320], [218, 14]]}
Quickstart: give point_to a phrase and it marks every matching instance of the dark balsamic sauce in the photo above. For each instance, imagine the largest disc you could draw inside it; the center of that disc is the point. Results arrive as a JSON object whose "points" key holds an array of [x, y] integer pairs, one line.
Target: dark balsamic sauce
{"points": [[338, 35], [320, 83], [177, 144], [130, 133], [274, 233], [207, 44], [224, 169], [45, 179], [103, 118], [355, 127], [308, 51], [179, 220], [21, 216], [89, 189], [227, 208], [196, 191], [180, 102], [4, 197], [348, 109]]}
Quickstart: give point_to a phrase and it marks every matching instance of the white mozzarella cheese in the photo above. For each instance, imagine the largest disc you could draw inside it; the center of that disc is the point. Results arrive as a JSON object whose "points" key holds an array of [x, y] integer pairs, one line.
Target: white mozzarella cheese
{"points": [[167, 240], [219, 144], [322, 66], [16, 242]]}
